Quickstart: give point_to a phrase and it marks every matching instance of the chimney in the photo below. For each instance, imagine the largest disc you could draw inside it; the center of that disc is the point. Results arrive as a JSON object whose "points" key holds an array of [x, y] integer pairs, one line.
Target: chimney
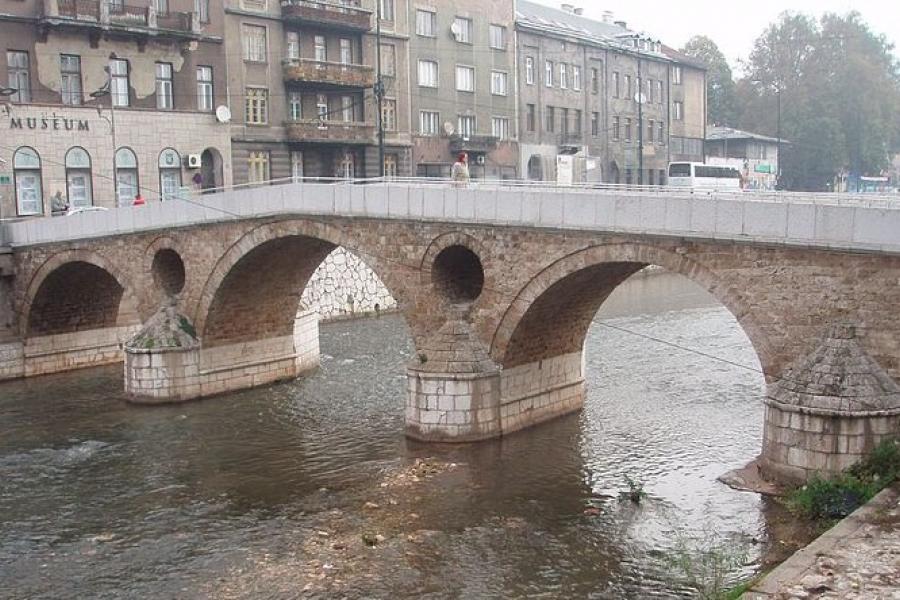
{"points": [[621, 24], [569, 8], [607, 16], [579, 11]]}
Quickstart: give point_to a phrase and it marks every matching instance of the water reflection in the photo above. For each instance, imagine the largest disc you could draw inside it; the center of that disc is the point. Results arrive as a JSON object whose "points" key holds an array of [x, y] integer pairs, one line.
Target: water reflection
{"points": [[263, 493]]}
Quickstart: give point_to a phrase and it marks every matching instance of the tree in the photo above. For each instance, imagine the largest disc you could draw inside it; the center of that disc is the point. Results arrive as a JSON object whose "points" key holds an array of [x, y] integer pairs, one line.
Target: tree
{"points": [[720, 89]]}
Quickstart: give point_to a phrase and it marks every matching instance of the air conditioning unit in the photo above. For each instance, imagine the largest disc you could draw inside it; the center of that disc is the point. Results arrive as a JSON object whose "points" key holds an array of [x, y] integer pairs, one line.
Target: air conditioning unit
{"points": [[193, 161], [480, 159]]}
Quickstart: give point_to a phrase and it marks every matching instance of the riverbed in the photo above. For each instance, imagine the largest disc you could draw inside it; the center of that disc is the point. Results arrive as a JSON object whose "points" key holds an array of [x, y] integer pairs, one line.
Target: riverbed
{"points": [[309, 488]]}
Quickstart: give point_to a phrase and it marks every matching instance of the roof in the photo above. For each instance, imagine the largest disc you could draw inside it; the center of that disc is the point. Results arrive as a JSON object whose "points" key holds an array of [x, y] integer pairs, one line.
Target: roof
{"points": [[681, 57], [715, 134]]}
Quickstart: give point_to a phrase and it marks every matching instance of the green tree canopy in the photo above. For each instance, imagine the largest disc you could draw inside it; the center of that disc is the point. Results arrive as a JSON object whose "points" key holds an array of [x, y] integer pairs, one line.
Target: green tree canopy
{"points": [[720, 89]]}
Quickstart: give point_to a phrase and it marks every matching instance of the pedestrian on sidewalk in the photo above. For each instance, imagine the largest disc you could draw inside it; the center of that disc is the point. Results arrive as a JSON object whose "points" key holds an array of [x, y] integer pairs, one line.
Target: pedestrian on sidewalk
{"points": [[138, 200], [460, 171]]}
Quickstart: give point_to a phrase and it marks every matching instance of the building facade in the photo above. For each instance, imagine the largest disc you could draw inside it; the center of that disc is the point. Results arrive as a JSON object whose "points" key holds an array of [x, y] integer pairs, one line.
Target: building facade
{"points": [[303, 78], [103, 101], [754, 155], [463, 87], [600, 102]]}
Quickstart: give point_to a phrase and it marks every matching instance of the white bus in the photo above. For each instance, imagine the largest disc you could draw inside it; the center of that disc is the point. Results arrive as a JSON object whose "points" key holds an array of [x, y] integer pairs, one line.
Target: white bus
{"points": [[704, 177]]}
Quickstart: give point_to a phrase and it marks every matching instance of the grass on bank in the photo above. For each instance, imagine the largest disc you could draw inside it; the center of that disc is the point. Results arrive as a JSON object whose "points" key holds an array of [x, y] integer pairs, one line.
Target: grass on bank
{"points": [[830, 498]]}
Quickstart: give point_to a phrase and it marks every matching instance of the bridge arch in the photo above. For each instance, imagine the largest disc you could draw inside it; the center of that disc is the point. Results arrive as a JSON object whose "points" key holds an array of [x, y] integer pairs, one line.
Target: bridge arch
{"points": [[551, 315], [77, 290], [254, 290]]}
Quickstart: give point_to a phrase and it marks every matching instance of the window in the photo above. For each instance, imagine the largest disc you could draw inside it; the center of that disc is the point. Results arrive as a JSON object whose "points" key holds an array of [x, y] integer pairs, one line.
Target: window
{"points": [[205, 89], [387, 10], [530, 117], [678, 110], [465, 78], [659, 92], [429, 122], [629, 93], [322, 107], [346, 52], [258, 166], [78, 177], [595, 81], [320, 50], [118, 82], [126, 176], [616, 85], [500, 127], [426, 23], [296, 166], [576, 78], [650, 91], [595, 124], [347, 109], [577, 121], [676, 75], [564, 120], [257, 106], [27, 175], [169, 174], [529, 70], [428, 73], [466, 125], [348, 165], [255, 5], [162, 7], [389, 114], [70, 79], [615, 128], [292, 45], [463, 29], [627, 129], [498, 83], [388, 60], [662, 177], [295, 106], [563, 77], [548, 73], [164, 94], [390, 165], [497, 34], [550, 118], [661, 138], [201, 7], [650, 130], [255, 46]]}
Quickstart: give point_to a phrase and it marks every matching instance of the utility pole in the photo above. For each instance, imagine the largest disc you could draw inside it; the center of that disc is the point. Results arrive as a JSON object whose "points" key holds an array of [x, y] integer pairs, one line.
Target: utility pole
{"points": [[778, 136], [379, 88], [640, 101]]}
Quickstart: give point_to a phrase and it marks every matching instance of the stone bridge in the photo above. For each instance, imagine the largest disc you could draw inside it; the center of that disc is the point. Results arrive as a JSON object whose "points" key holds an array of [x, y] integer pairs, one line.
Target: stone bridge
{"points": [[498, 286]]}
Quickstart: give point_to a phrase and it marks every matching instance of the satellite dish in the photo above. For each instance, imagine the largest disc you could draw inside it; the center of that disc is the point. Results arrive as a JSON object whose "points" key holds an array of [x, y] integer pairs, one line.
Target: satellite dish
{"points": [[448, 128], [640, 98], [223, 114]]}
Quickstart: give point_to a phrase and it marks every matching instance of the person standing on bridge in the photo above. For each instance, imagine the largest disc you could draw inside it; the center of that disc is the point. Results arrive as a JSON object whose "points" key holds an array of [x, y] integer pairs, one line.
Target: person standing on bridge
{"points": [[460, 171]]}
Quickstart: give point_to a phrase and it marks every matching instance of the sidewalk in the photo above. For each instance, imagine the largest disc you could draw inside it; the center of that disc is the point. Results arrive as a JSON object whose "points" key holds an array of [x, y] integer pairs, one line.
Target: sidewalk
{"points": [[857, 559]]}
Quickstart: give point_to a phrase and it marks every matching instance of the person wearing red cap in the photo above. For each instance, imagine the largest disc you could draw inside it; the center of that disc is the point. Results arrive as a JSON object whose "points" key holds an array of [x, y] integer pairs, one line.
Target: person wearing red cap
{"points": [[460, 171]]}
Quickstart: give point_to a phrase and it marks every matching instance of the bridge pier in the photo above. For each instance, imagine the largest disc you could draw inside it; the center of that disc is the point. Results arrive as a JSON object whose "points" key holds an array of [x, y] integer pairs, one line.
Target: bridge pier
{"points": [[167, 363]]}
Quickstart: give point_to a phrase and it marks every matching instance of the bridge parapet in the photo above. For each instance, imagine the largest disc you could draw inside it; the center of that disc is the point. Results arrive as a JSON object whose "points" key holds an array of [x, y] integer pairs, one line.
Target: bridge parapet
{"points": [[807, 220]]}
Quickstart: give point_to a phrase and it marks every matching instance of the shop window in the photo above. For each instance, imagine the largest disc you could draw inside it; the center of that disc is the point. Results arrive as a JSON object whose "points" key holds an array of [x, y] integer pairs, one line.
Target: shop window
{"points": [[79, 189], [169, 174], [27, 175], [126, 176]]}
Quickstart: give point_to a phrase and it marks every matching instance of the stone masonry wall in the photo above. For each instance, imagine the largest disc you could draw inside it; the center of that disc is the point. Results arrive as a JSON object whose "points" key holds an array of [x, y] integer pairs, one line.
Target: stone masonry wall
{"points": [[540, 391], [75, 350], [344, 286]]}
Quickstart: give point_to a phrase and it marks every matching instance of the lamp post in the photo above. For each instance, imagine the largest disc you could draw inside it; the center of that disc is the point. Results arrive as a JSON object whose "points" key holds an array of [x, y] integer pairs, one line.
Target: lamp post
{"points": [[106, 90], [777, 87], [5, 92]]}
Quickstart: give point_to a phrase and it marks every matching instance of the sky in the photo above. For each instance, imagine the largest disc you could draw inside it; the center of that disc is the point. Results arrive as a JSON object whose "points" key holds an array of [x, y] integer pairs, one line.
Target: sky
{"points": [[734, 26]]}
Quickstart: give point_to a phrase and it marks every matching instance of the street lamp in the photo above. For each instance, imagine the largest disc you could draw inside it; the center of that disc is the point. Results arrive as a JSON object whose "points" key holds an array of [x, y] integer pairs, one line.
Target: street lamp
{"points": [[5, 92], [106, 90], [777, 87]]}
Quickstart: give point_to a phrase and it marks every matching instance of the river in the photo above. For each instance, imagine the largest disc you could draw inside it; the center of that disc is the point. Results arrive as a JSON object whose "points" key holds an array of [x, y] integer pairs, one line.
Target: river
{"points": [[269, 493]]}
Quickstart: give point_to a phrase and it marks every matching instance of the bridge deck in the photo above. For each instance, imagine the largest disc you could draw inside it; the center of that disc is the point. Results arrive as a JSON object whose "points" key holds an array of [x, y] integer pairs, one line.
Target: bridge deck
{"points": [[825, 221]]}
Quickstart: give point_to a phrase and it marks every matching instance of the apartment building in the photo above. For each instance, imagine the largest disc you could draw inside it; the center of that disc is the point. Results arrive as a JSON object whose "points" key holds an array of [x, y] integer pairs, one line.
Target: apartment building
{"points": [[463, 88], [600, 102], [302, 79], [103, 100]]}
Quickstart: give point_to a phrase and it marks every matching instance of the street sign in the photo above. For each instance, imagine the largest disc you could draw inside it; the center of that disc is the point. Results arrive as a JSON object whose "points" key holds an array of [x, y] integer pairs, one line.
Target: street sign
{"points": [[5, 180], [763, 168]]}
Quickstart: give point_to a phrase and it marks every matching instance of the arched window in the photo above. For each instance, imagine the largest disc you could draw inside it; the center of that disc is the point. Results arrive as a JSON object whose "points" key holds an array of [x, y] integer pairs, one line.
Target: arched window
{"points": [[348, 165], [79, 190], [126, 176], [27, 174], [169, 174]]}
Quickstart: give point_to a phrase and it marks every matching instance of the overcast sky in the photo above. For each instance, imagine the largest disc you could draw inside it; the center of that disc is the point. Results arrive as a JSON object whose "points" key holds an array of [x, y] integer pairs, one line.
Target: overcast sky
{"points": [[734, 26]]}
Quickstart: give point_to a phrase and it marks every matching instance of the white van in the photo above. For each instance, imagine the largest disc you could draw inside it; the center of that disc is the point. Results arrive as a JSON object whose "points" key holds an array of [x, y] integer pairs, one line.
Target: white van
{"points": [[703, 177]]}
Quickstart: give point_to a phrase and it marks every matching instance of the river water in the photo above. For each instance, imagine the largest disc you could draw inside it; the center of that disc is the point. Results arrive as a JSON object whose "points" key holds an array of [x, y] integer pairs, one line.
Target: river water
{"points": [[269, 493]]}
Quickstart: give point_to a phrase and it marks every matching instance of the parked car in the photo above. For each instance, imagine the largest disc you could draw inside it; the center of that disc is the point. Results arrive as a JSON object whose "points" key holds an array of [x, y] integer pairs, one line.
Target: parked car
{"points": [[84, 209]]}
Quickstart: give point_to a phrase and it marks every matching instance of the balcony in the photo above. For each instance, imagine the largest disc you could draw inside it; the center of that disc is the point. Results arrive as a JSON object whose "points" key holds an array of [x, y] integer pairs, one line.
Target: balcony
{"points": [[334, 15], [116, 16], [328, 74], [473, 143], [330, 132]]}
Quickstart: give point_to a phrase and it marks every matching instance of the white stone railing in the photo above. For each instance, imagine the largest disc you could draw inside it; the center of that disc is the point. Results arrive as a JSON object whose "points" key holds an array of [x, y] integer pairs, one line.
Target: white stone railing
{"points": [[827, 221]]}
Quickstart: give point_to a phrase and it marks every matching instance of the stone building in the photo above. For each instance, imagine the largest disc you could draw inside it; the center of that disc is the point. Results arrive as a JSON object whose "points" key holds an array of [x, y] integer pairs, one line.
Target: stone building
{"points": [[463, 88], [600, 102], [103, 99], [302, 76]]}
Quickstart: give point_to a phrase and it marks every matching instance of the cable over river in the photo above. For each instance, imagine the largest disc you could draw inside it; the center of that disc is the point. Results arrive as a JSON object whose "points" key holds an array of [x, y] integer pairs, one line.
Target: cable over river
{"points": [[309, 488]]}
